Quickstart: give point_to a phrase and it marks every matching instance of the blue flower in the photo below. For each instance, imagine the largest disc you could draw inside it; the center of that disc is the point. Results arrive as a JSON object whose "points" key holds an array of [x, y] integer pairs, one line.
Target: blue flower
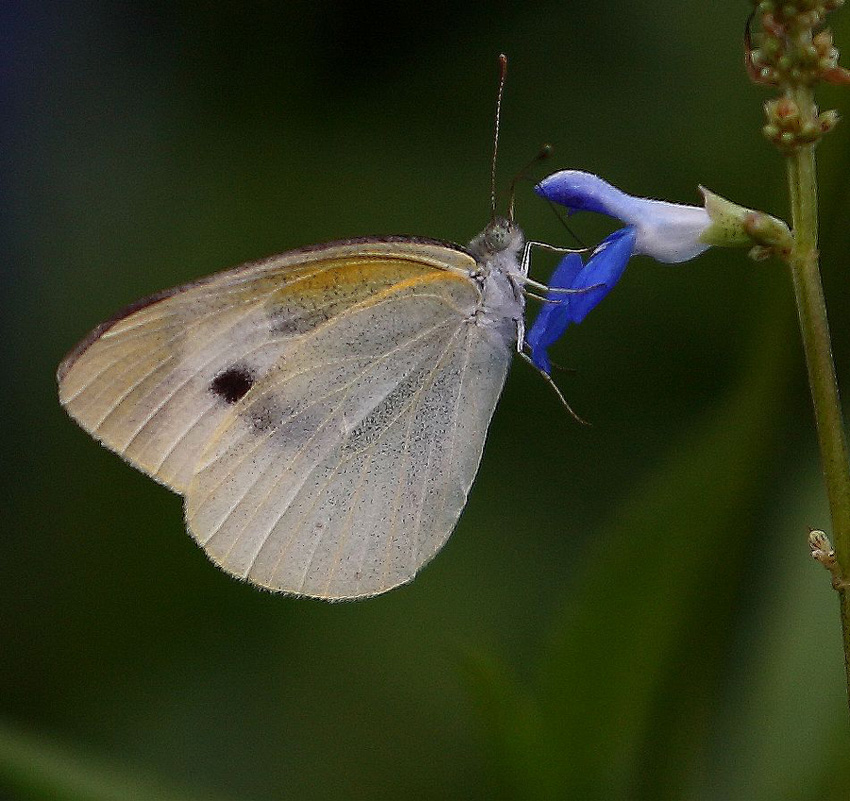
{"points": [[668, 232]]}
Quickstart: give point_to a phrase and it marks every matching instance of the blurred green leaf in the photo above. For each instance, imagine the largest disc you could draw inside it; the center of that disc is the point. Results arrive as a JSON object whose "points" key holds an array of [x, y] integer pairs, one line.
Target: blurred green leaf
{"points": [[780, 728], [510, 721], [33, 768], [627, 684]]}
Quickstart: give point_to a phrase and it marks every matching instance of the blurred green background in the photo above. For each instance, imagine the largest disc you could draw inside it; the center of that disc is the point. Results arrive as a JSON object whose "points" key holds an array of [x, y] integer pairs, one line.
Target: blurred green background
{"points": [[626, 611]]}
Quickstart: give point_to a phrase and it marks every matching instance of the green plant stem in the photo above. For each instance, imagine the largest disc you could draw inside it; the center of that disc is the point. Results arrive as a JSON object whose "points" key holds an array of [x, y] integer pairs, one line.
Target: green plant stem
{"points": [[814, 329]]}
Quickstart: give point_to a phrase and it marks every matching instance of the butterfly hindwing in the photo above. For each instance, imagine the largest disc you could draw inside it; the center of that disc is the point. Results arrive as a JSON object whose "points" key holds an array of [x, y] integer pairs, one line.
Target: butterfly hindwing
{"points": [[343, 472]]}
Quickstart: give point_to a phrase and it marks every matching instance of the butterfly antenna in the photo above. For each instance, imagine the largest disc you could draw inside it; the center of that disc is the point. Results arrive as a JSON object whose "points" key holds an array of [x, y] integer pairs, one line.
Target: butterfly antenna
{"points": [[565, 225], [503, 72], [542, 154], [548, 379]]}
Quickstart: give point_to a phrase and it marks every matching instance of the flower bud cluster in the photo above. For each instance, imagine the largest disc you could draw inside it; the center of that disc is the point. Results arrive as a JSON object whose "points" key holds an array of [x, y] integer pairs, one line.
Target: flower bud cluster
{"points": [[787, 52], [792, 14], [789, 128], [792, 51]]}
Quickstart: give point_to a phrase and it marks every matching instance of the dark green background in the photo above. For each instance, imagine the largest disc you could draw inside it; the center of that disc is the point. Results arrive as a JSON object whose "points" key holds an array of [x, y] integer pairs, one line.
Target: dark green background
{"points": [[625, 611]]}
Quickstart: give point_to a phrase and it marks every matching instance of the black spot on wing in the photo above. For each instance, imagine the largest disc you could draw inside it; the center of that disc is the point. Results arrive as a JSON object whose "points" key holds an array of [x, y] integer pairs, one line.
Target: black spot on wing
{"points": [[233, 384]]}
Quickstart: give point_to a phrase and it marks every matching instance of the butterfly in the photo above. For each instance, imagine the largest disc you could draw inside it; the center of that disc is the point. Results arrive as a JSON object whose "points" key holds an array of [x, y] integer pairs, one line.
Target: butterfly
{"points": [[322, 412]]}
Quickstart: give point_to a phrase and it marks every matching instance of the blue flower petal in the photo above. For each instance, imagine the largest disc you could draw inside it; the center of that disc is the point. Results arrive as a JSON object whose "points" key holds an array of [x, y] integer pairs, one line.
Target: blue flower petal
{"points": [[583, 191], [668, 232], [553, 318], [605, 266]]}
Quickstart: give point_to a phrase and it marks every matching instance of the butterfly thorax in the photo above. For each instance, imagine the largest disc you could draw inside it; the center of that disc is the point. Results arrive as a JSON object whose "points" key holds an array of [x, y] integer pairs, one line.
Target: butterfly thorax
{"points": [[498, 252]]}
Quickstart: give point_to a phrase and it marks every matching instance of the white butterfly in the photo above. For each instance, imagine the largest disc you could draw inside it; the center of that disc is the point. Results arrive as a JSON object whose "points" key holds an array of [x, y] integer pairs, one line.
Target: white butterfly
{"points": [[323, 412]]}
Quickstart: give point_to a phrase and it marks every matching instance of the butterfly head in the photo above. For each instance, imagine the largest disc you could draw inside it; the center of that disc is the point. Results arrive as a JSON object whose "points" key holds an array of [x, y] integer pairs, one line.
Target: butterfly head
{"points": [[500, 236]]}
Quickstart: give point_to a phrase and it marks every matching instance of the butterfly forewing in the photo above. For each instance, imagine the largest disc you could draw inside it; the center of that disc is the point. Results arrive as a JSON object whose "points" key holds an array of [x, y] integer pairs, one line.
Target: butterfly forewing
{"points": [[143, 383], [343, 472]]}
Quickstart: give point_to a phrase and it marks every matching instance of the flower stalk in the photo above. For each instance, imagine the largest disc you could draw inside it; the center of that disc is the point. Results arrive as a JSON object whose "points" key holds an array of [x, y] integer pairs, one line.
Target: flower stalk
{"points": [[814, 330], [793, 53]]}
